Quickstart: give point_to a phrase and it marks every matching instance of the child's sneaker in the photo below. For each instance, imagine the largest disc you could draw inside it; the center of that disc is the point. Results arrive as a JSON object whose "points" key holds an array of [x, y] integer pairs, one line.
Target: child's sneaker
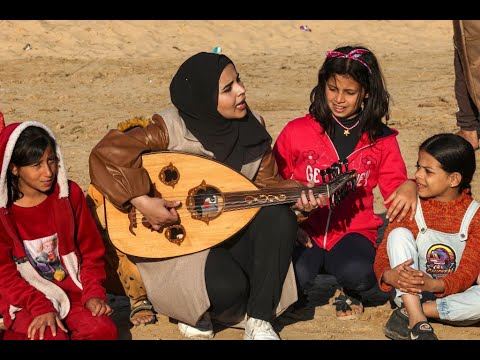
{"points": [[422, 331], [256, 329], [203, 329], [396, 327]]}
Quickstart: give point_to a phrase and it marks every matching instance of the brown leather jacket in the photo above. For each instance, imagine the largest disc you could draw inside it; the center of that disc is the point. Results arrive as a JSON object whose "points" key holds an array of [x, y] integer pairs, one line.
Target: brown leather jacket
{"points": [[116, 163]]}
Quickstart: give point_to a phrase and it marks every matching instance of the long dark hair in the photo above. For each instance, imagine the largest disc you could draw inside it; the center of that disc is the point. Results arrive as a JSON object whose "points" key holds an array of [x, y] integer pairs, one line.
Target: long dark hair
{"points": [[455, 154], [368, 74], [29, 148]]}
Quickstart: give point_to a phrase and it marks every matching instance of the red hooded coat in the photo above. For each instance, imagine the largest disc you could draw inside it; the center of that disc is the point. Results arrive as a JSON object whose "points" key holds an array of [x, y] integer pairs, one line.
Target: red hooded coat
{"points": [[80, 247]]}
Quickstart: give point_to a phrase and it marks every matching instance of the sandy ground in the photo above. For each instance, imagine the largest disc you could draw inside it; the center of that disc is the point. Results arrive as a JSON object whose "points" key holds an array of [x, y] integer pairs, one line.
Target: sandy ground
{"points": [[83, 77]]}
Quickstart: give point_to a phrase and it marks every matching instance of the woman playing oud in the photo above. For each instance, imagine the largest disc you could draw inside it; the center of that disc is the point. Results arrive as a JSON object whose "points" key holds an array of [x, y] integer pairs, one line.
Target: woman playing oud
{"points": [[250, 273]]}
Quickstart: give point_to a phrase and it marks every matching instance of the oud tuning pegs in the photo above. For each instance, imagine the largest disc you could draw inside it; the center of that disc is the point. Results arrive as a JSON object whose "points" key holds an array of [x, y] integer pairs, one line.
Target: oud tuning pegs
{"points": [[335, 169], [353, 185], [337, 200], [323, 174], [343, 164], [340, 181], [328, 171], [332, 201]]}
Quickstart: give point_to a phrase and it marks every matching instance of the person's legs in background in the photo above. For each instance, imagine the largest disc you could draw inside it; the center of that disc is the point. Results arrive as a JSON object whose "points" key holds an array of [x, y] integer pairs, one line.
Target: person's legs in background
{"points": [[467, 114]]}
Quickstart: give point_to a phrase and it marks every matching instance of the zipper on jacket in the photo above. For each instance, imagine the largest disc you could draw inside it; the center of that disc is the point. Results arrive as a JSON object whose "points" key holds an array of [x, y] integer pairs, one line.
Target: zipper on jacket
{"points": [[326, 228]]}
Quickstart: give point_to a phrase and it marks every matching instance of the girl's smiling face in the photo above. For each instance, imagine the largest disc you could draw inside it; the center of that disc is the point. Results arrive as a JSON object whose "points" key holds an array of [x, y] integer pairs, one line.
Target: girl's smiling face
{"points": [[344, 96]]}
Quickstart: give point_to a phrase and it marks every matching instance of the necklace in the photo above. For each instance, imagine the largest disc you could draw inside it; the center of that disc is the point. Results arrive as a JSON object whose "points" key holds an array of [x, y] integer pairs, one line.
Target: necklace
{"points": [[346, 130]]}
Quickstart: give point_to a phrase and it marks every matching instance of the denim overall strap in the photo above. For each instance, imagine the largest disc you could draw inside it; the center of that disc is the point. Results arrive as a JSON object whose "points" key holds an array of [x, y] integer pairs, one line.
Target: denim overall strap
{"points": [[469, 214], [422, 226]]}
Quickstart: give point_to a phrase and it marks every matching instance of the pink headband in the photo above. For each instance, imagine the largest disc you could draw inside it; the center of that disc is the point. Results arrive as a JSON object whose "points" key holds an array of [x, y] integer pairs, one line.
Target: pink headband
{"points": [[354, 55]]}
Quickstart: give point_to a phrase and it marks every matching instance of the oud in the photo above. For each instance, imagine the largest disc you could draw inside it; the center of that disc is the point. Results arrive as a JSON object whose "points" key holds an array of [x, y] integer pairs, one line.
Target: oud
{"points": [[216, 203]]}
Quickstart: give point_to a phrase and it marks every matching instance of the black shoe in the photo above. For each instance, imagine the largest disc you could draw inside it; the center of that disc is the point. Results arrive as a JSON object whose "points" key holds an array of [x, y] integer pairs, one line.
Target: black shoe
{"points": [[396, 327], [422, 331]]}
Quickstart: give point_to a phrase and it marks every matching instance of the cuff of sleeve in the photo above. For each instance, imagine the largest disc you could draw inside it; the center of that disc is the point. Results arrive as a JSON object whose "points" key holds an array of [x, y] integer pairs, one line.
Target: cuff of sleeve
{"points": [[94, 294], [43, 310], [383, 285]]}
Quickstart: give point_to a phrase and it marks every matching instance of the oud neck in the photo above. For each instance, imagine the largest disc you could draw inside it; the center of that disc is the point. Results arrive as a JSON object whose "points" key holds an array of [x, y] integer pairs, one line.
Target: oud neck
{"points": [[269, 196]]}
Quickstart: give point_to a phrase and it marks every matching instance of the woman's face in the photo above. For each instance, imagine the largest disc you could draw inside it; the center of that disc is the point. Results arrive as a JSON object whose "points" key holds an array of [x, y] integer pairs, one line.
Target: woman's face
{"points": [[344, 96], [231, 94]]}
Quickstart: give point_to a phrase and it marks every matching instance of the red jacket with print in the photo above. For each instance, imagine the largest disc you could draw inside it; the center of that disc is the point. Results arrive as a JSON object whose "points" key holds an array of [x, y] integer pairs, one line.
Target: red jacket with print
{"points": [[303, 148], [77, 234]]}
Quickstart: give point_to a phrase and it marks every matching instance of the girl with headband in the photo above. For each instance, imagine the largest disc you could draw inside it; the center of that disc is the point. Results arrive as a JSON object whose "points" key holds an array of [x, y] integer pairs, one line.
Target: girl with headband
{"points": [[344, 124]]}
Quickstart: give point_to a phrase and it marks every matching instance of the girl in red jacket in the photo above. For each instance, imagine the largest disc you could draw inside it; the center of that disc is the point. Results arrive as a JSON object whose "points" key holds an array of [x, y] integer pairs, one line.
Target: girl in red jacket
{"points": [[345, 124], [51, 253]]}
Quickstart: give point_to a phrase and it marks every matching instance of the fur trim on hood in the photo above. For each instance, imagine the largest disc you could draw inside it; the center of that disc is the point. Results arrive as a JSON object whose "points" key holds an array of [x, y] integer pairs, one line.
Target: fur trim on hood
{"points": [[8, 138]]}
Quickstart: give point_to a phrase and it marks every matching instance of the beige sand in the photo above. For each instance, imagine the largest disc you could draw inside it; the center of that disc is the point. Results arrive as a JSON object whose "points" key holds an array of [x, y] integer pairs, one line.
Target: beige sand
{"points": [[82, 77]]}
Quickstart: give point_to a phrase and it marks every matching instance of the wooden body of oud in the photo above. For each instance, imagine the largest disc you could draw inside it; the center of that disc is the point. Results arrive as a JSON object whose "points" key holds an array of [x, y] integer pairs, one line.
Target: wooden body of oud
{"points": [[199, 235]]}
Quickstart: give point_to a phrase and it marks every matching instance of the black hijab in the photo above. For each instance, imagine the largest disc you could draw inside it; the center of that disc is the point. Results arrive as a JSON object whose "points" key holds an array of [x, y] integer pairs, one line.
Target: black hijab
{"points": [[194, 92]]}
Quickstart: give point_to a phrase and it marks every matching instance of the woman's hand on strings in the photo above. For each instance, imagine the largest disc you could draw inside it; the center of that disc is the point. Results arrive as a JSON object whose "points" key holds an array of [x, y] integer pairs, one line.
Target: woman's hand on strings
{"points": [[307, 200], [158, 212]]}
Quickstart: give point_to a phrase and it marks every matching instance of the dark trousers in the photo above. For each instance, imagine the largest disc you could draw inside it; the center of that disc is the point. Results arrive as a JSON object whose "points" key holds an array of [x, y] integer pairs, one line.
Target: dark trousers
{"points": [[250, 268], [467, 114], [350, 261]]}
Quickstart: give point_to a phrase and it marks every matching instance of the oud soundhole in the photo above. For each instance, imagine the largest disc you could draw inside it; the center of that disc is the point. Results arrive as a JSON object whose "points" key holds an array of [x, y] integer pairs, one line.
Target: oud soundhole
{"points": [[169, 175], [175, 234], [205, 202]]}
